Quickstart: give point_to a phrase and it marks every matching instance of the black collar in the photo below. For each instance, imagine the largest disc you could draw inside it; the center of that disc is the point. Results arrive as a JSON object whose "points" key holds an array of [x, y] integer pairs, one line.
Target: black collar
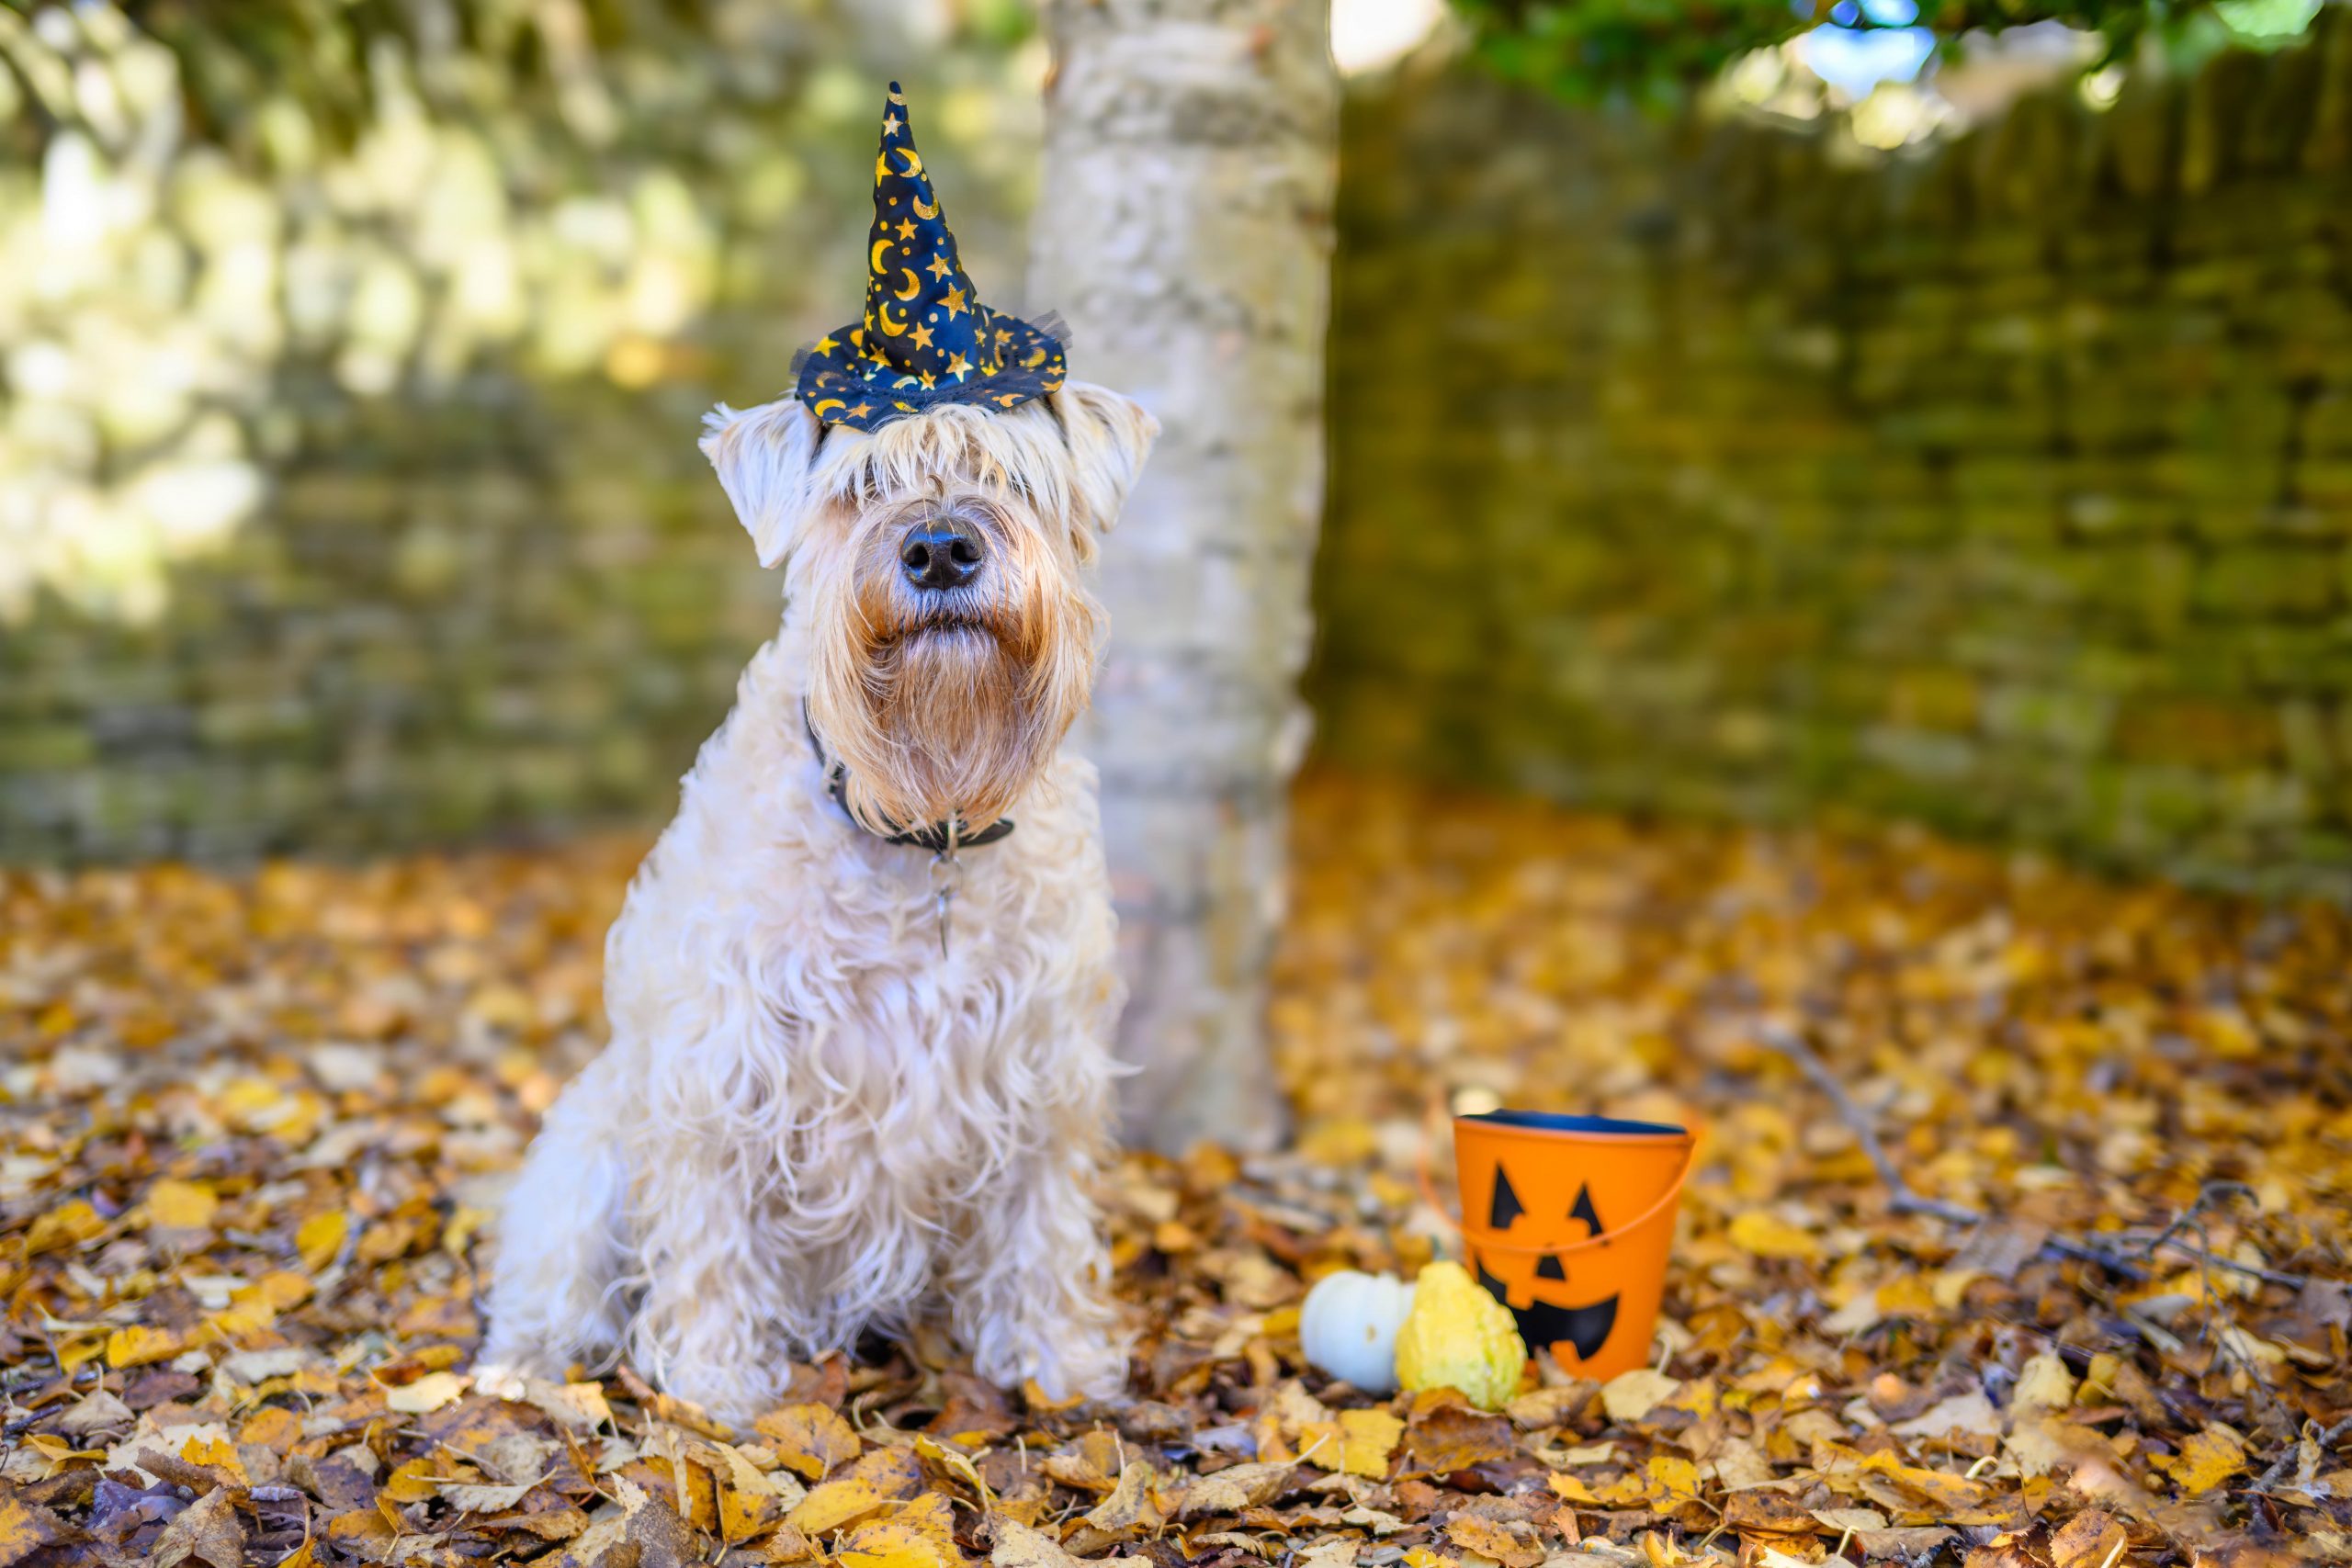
{"points": [[935, 838]]}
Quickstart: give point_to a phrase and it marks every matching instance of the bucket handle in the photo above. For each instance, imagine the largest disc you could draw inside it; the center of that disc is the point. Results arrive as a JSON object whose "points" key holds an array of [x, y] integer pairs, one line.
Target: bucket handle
{"points": [[1429, 1195]]}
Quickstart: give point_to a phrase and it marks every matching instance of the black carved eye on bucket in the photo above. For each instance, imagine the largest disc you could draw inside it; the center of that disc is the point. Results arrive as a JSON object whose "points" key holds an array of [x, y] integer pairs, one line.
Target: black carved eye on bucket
{"points": [[1532, 1281]]}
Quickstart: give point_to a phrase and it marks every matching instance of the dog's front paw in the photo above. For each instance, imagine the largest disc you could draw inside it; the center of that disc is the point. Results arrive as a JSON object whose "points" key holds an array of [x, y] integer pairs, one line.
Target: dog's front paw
{"points": [[501, 1380], [508, 1360]]}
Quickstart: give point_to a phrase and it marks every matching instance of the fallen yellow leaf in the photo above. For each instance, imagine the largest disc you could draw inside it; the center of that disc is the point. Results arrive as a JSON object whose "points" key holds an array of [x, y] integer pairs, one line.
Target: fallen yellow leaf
{"points": [[1359, 1442], [1489, 1539], [1675, 1479], [25, 1527], [2206, 1460], [1629, 1396], [1019, 1546], [921, 1534], [1766, 1235], [956, 1463], [835, 1504], [215, 1453], [413, 1481], [810, 1439], [68, 1225], [426, 1394], [2043, 1383], [320, 1240], [138, 1345], [181, 1205], [1938, 1488]]}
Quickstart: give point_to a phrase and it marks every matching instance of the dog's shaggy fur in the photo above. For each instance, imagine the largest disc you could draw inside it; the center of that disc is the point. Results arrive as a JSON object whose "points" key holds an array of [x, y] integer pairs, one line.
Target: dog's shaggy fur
{"points": [[809, 1122]]}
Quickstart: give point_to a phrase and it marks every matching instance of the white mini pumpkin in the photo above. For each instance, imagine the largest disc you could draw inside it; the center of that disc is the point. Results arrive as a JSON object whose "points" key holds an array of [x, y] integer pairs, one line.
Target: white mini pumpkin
{"points": [[1348, 1328]]}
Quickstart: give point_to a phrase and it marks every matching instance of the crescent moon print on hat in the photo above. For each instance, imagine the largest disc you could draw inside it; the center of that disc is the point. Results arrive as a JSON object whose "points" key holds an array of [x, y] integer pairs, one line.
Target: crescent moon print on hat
{"points": [[925, 338]]}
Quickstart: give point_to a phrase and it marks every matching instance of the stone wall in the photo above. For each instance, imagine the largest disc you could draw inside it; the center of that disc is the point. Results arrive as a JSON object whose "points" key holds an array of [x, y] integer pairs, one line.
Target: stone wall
{"points": [[2010, 488], [475, 578], [1687, 468], [505, 609]]}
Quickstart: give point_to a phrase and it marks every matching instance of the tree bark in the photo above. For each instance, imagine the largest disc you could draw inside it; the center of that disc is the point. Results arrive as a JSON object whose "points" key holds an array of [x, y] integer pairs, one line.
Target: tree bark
{"points": [[1185, 230]]}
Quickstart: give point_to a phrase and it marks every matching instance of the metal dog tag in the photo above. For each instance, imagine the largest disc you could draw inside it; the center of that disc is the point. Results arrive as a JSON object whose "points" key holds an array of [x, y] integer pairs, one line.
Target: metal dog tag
{"points": [[947, 881]]}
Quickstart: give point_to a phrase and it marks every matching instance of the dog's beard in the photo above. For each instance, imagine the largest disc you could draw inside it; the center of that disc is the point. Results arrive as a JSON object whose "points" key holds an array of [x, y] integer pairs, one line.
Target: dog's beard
{"points": [[951, 714]]}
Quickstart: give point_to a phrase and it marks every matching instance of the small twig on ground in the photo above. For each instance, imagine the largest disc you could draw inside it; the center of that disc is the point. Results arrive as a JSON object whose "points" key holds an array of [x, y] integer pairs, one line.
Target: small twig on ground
{"points": [[2195, 1212], [2229, 1342], [2106, 1258], [2278, 1468], [2203, 1253], [2231, 1265], [1902, 1199]]}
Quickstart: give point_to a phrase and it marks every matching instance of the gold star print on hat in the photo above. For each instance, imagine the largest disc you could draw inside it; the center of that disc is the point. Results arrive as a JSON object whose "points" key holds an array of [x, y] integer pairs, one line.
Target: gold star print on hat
{"points": [[925, 339]]}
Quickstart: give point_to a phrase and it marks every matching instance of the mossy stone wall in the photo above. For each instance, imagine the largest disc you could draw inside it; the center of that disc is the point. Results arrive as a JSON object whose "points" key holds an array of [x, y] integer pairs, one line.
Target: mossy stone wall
{"points": [[509, 609], [2009, 488]]}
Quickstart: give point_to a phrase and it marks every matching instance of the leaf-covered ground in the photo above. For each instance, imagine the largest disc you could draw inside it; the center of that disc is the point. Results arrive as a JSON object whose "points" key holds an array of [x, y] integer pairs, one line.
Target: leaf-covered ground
{"points": [[250, 1129]]}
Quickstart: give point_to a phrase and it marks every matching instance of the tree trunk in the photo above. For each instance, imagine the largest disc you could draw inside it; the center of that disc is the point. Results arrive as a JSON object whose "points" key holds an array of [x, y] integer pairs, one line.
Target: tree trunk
{"points": [[1185, 230]]}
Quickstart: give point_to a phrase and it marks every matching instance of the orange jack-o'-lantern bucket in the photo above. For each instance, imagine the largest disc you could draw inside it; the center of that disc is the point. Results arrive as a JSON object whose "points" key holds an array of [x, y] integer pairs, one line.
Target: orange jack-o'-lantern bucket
{"points": [[1568, 1220]]}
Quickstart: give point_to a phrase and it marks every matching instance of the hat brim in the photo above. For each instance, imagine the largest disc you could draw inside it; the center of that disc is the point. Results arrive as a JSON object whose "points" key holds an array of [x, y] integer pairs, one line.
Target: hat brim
{"points": [[841, 385]]}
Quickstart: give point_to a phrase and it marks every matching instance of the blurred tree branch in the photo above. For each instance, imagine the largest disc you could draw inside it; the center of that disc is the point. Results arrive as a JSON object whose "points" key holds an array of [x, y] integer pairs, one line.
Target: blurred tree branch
{"points": [[1904, 1199], [1651, 51]]}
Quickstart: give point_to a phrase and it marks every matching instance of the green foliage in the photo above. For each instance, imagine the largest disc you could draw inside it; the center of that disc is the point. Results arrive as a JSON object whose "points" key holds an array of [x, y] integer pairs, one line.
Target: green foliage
{"points": [[1651, 51], [329, 57]]}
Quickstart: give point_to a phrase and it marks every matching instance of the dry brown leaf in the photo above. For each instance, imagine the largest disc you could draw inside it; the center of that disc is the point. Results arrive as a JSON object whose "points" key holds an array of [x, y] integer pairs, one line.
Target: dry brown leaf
{"points": [[1969, 1413], [481, 1498], [653, 1527], [1769, 1514], [426, 1394], [1340, 1551], [207, 1532], [1127, 1512], [2092, 1539], [2043, 1383], [920, 1535], [1629, 1396], [25, 1527], [1232, 1489], [810, 1439], [1019, 1546], [1858, 1520], [1488, 1538], [1445, 1433]]}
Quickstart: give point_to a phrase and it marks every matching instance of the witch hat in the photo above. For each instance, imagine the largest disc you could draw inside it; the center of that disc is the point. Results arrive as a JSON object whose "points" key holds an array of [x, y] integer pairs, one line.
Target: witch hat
{"points": [[926, 339]]}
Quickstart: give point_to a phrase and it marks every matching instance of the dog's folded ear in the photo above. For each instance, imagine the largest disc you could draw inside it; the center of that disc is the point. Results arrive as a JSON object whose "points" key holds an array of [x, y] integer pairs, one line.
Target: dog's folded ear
{"points": [[1109, 437], [763, 456]]}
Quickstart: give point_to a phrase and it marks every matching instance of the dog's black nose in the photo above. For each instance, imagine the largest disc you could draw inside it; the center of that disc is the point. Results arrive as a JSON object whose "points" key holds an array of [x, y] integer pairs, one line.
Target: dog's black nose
{"points": [[941, 553]]}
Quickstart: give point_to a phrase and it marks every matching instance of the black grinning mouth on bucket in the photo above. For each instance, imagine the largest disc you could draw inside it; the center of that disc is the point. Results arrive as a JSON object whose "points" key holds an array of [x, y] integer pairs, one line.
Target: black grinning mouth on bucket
{"points": [[1554, 1121]]}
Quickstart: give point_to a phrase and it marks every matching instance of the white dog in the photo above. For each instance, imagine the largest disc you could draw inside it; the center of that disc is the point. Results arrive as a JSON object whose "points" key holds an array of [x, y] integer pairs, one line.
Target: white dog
{"points": [[835, 1100]]}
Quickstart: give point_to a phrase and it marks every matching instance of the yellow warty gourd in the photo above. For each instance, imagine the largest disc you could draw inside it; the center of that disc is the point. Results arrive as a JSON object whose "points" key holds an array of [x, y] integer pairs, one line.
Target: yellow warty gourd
{"points": [[1458, 1336]]}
